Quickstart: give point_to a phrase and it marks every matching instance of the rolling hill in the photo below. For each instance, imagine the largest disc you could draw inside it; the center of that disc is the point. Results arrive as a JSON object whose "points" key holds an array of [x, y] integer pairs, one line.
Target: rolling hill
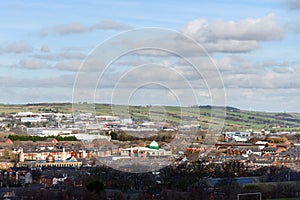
{"points": [[232, 118]]}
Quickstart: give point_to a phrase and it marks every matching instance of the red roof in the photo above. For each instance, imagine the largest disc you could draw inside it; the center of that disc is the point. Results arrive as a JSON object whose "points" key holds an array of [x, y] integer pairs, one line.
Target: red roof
{"points": [[8, 141]]}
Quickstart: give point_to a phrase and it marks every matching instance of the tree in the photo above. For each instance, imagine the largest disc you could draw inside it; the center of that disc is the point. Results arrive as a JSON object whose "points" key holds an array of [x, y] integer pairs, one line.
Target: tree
{"points": [[114, 135], [267, 145], [27, 124], [282, 139], [6, 154], [95, 186]]}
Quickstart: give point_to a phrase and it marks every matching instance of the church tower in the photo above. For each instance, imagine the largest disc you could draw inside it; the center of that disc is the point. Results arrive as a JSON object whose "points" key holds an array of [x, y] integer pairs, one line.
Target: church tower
{"points": [[64, 155], [21, 155]]}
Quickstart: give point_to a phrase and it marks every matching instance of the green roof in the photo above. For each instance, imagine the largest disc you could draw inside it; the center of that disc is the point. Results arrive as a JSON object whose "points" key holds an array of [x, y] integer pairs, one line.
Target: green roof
{"points": [[153, 145]]}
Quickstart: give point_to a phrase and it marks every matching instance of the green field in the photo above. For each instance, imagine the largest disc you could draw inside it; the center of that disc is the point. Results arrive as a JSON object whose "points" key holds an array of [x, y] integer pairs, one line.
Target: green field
{"points": [[206, 116]]}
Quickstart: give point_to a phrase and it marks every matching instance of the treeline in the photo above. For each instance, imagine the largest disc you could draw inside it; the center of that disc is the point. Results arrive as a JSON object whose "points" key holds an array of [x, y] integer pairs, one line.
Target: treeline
{"points": [[40, 138], [161, 136]]}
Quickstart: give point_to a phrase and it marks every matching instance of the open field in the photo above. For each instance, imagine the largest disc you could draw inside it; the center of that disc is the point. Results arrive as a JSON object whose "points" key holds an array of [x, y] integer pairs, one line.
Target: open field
{"points": [[235, 119]]}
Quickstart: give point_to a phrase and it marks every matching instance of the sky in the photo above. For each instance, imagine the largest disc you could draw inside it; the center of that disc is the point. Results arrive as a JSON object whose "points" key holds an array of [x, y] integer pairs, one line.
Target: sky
{"points": [[53, 51]]}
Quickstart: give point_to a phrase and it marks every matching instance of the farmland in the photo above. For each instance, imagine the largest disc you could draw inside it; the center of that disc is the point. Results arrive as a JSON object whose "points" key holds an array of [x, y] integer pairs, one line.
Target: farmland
{"points": [[229, 118]]}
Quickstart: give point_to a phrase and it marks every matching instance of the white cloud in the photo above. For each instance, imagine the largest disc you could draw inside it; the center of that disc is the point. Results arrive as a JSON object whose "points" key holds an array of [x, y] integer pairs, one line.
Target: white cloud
{"points": [[63, 81], [217, 36], [32, 64], [234, 36], [274, 100], [68, 55], [259, 75], [73, 28], [260, 29], [72, 65], [36, 95], [45, 49], [16, 47], [293, 4], [109, 24], [70, 28], [230, 46]]}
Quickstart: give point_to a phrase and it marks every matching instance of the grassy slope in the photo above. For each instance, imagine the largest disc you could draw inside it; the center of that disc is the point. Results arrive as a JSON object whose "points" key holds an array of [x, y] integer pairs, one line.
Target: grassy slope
{"points": [[235, 118]]}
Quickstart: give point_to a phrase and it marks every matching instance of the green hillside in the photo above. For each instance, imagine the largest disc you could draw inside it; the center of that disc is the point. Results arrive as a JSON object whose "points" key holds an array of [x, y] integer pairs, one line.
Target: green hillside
{"points": [[235, 119]]}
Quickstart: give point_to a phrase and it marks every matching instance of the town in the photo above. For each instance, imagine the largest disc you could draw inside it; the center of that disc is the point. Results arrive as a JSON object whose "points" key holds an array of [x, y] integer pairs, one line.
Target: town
{"points": [[55, 155]]}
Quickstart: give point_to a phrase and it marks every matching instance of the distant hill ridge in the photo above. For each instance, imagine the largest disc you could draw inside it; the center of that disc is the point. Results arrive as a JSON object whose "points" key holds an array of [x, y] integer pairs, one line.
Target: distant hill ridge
{"points": [[235, 118]]}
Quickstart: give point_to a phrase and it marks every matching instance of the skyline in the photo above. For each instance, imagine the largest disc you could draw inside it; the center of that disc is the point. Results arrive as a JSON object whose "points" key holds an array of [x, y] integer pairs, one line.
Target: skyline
{"points": [[254, 44]]}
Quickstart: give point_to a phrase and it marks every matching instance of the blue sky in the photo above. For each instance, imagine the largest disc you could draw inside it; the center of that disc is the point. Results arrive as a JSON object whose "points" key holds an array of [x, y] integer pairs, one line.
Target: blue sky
{"points": [[255, 45]]}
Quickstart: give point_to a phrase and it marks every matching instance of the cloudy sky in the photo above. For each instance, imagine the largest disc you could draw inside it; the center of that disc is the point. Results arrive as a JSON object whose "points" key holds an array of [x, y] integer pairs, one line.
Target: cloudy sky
{"points": [[252, 58]]}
